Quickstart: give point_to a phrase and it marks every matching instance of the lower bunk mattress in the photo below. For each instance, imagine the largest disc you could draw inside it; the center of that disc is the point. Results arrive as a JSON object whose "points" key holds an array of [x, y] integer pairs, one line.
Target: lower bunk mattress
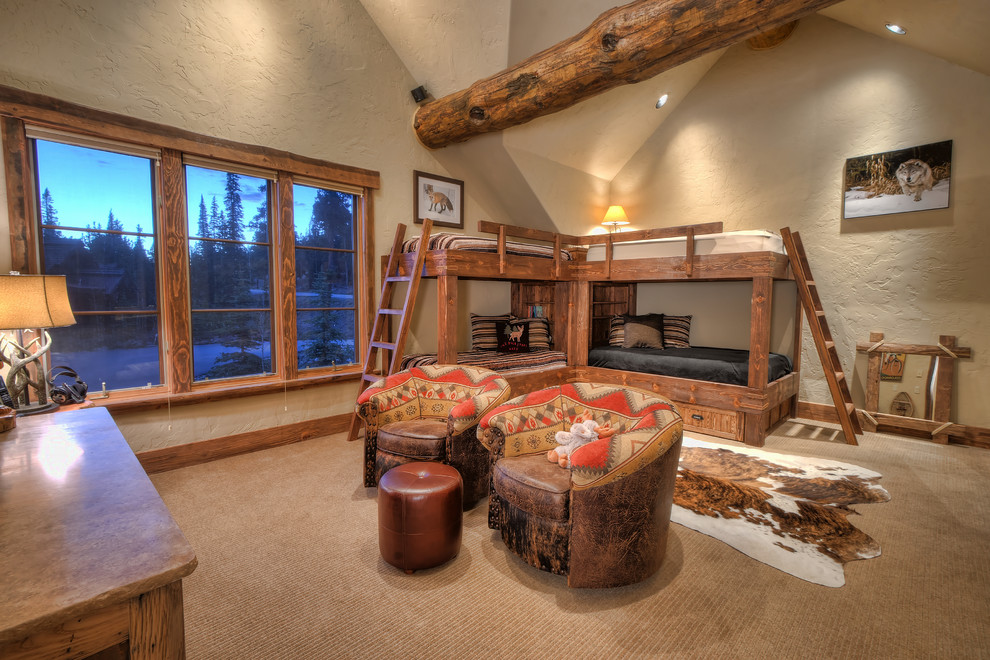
{"points": [[716, 365], [515, 363]]}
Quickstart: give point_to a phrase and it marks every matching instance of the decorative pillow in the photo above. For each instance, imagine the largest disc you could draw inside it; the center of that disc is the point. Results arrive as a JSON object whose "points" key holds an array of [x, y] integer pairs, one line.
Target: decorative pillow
{"points": [[643, 331], [616, 331], [676, 331], [592, 458], [483, 334], [513, 336], [539, 332]]}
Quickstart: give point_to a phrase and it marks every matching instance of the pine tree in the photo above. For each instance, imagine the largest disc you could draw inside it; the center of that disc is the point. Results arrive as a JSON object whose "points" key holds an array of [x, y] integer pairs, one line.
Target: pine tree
{"points": [[330, 226], [49, 217], [238, 329]]}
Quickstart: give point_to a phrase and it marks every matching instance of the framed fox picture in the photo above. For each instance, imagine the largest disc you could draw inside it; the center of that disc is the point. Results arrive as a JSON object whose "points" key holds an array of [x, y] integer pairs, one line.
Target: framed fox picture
{"points": [[438, 198]]}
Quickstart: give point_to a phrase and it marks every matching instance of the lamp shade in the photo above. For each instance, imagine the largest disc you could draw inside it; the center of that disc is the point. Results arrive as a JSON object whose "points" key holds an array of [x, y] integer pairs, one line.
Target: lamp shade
{"points": [[34, 301], [615, 215]]}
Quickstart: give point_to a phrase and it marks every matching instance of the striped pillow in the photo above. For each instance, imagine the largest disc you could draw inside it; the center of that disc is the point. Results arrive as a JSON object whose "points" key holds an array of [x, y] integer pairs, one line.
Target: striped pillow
{"points": [[484, 337], [539, 333], [676, 331], [616, 331]]}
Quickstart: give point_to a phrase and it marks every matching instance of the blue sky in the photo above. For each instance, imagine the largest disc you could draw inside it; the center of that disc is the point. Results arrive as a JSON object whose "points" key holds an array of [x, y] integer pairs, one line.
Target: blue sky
{"points": [[87, 183]]}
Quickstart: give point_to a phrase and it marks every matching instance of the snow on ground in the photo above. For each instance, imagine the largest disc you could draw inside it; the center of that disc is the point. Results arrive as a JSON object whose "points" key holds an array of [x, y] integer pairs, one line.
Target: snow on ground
{"points": [[858, 206]]}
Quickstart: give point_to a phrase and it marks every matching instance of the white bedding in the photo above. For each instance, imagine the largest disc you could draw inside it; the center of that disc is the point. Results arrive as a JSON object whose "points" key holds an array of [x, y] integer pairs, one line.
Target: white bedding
{"points": [[728, 242]]}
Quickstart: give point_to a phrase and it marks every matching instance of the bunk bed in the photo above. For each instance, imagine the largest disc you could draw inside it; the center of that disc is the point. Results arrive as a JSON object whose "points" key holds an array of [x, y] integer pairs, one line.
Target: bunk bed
{"points": [[581, 283]]}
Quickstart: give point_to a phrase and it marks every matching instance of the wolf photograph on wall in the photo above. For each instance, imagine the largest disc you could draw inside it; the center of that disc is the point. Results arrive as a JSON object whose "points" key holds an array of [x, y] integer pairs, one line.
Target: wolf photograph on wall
{"points": [[438, 198], [901, 181]]}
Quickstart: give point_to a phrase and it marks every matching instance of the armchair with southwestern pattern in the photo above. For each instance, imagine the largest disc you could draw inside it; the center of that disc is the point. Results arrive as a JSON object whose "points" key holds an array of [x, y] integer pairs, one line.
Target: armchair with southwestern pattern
{"points": [[604, 521], [430, 413]]}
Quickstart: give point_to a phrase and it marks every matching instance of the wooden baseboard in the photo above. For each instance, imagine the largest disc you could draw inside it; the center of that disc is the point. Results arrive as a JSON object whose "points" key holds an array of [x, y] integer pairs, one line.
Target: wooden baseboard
{"points": [[971, 436], [193, 453]]}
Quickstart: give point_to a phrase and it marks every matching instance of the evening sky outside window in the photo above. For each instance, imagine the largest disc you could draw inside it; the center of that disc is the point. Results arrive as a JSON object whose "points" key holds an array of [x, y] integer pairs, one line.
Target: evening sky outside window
{"points": [[111, 259], [97, 214]]}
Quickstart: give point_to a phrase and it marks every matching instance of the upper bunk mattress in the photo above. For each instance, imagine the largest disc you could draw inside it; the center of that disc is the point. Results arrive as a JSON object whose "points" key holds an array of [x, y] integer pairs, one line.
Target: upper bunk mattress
{"points": [[444, 241], [507, 363], [728, 242]]}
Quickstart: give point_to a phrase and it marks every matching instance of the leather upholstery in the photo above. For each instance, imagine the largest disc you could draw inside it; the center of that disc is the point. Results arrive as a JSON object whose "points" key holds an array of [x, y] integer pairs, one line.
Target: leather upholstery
{"points": [[431, 413], [419, 515], [423, 439], [534, 484], [603, 524]]}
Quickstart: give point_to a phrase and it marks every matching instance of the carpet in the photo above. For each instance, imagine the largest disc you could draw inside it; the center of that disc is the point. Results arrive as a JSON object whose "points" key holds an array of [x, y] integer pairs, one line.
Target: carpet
{"points": [[789, 512]]}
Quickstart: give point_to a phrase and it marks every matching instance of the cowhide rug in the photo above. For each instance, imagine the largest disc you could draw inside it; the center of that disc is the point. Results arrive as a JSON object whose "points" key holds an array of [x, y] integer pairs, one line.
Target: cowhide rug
{"points": [[789, 512]]}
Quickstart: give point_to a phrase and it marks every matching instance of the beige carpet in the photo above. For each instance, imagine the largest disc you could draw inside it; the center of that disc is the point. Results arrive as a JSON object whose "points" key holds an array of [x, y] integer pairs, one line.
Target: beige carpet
{"points": [[289, 568]]}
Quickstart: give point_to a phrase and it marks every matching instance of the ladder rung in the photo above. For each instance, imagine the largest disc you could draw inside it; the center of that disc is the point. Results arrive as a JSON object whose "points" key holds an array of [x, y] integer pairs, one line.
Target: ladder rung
{"points": [[850, 408], [371, 377], [383, 344], [399, 278], [820, 313], [829, 345], [395, 312]]}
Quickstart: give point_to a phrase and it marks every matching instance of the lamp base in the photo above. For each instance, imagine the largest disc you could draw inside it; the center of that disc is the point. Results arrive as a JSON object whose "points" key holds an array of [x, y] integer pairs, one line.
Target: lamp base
{"points": [[36, 408], [8, 418]]}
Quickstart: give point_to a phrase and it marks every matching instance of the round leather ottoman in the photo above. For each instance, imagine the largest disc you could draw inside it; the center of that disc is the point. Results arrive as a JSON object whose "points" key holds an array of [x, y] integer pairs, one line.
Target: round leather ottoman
{"points": [[419, 515]]}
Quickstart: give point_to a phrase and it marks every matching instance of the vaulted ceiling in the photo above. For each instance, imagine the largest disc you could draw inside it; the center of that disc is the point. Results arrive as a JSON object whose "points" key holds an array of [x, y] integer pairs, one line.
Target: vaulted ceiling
{"points": [[448, 44]]}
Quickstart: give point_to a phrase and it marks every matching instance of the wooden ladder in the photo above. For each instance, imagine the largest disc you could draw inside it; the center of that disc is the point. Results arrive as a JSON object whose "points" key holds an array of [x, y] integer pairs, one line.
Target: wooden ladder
{"points": [[379, 344], [837, 384]]}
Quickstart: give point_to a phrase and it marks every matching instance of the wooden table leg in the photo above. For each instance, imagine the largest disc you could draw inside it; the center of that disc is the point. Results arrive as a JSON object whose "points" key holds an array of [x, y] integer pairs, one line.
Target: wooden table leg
{"points": [[157, 628]]}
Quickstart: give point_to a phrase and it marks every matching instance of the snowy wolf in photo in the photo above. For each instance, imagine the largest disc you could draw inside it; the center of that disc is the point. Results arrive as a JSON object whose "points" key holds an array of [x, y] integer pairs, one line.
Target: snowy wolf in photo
{"points": [[915, 176]]}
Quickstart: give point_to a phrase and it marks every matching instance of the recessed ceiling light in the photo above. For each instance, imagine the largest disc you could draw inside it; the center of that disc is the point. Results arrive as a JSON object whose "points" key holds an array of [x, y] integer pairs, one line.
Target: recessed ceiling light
{"points": [[661, 101], [895, 28]]}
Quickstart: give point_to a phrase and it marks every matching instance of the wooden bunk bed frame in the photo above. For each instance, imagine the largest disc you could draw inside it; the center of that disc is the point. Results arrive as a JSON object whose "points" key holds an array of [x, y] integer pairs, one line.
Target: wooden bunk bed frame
{"points": [[567, 289]]}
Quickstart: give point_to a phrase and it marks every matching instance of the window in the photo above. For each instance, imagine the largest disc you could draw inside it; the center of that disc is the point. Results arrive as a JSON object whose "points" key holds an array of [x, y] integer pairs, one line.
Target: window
{"points": [[191, 262], [229, 273], [325, 265], [97, 216]]}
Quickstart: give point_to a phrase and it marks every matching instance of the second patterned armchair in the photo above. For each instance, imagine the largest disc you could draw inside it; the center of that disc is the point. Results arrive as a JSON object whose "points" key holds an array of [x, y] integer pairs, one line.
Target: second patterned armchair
{"points": [[603, 522], [431, 413]]}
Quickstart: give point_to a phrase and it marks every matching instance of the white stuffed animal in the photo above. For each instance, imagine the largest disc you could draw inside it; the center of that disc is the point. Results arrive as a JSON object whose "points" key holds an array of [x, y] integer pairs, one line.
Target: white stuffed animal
{"points": [[581, 433]]}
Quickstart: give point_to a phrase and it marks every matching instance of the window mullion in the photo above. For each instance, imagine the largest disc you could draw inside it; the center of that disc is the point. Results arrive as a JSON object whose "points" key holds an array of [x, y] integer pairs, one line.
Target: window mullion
{"points": [[175, 273], [285, 282], [20, 189]]}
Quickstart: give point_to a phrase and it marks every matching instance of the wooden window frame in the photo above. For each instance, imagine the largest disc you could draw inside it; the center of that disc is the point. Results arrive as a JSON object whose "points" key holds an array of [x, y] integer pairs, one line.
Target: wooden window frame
{"points": [[19, 108]]}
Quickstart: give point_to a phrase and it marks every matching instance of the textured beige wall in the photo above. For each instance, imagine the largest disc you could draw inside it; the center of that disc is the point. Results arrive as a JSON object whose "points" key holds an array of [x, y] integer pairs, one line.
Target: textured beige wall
{"points": [[761, 143], [316, 79]]}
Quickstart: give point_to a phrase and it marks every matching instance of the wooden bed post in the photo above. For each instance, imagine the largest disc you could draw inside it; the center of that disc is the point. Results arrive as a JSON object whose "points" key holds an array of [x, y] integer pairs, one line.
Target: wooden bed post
{"points": [[759, 356], [759, 333], [579, 323], [447, 319]]}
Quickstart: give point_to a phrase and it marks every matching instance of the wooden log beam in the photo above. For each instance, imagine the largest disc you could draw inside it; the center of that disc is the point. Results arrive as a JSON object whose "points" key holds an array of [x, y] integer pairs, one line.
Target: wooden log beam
{"points": [[771, 38], [626, 44]]}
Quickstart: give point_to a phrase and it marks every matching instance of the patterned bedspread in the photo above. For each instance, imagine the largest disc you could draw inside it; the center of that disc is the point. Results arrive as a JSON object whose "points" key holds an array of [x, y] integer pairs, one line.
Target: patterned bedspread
{"points": [[500, 362], [481, 244]]}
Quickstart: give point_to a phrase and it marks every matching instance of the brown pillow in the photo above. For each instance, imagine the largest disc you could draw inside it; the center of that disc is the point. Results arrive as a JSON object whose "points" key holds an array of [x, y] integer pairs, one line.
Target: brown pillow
{"points": [[643, 331]]}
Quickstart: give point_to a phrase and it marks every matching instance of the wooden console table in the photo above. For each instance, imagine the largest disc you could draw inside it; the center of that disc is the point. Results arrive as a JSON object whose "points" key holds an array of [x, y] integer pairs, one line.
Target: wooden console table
{"points": [[90, 557]]}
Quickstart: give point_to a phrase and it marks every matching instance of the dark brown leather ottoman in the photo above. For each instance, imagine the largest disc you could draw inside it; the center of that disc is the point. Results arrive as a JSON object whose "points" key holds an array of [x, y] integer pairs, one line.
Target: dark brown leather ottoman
{"points": [[419, 515]]}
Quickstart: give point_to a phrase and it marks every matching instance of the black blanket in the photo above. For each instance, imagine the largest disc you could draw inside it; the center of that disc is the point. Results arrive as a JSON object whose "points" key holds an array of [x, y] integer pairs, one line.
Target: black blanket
{"points": [[717, 365]]}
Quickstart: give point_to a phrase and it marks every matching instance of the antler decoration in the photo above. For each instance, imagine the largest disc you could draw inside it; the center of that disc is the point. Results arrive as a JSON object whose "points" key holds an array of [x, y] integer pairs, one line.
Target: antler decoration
{"points": [[19, 359]]}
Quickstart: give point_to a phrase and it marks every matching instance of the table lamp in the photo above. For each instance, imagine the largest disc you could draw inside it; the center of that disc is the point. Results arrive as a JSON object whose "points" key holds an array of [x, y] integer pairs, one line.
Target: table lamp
{"points": [[615, 216], [30, 302]]}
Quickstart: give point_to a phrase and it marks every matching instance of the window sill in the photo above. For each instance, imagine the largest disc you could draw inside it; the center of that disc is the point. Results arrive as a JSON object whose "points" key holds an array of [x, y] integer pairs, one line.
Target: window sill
{"points": [[134, 401]]}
